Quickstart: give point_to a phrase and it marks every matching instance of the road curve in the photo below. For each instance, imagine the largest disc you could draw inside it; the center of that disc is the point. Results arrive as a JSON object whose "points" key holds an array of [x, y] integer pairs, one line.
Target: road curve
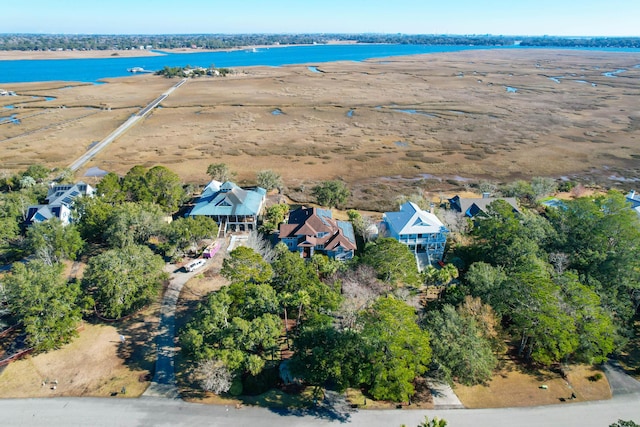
{"points": [[82, 160], [162, 412]]}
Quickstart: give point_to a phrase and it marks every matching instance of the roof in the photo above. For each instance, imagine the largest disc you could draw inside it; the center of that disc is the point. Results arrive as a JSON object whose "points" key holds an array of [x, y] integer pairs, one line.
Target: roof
{"points": [[471, 207], [59, 200], [224, 199], [413, 220], [314, 226], [633, 198]]}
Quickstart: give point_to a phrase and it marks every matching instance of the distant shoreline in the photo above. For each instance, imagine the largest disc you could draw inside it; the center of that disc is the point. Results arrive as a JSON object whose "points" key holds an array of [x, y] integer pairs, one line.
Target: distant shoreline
{"points": [[16, 55]]}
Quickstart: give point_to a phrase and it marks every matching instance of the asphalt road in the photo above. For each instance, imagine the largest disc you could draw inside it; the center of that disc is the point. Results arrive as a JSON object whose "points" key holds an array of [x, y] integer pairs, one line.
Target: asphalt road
{"points": [[148, 411]]}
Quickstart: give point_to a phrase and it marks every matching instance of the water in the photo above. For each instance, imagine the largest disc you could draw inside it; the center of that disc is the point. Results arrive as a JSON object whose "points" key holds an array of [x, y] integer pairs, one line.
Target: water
{"points": [[314, 69], [613, 73], [94, 69], [511, 89], [277, 112], [9, 107], [10, 119], [555, 79], [421, 113], [350, 113], [401, 144]]}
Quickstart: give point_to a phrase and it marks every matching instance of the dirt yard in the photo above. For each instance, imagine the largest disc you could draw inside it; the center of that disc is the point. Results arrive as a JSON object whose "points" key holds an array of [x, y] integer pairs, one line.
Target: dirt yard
{"points": [[97, 363], [383, 126], [513, 387]]}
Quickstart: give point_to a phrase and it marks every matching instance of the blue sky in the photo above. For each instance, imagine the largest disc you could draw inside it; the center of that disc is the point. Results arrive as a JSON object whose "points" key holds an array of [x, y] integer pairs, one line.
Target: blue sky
{"points": [[513, 17]]}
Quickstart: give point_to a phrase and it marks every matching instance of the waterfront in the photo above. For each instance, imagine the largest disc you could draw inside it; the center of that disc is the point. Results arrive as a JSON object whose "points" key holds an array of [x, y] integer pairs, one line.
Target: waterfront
{"points": [[93, 70]]}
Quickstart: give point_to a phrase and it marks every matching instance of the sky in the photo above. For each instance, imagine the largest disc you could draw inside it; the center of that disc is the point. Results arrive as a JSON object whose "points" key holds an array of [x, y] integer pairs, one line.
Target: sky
{"points": [[497, 17]]}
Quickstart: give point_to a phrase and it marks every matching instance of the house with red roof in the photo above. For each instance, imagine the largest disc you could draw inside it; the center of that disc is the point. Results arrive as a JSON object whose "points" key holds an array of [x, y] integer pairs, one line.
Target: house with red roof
{"points": [[311, 230]]}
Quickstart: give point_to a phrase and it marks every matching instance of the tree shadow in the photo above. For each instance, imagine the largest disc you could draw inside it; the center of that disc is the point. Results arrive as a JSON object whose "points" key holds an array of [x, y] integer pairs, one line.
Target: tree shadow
{"points": [[331, 408], [138, 349]]}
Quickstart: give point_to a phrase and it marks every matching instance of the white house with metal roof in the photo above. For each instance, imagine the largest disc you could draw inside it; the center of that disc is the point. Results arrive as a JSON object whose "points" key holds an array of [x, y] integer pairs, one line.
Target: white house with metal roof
{"points": [[421, 231], [634, 199], [232, 207], [59, 202]]}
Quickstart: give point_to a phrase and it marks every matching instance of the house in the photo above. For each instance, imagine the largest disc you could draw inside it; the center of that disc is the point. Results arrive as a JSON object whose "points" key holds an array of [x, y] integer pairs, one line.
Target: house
{"points": [[474, 206], [421, 231], [59, 202], [634, 199], [232, 207], [311, 230]]}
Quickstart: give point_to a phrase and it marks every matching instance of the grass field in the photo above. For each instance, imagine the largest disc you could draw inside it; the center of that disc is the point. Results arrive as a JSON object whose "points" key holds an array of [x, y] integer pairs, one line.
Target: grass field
{"points": [[432, 121]]}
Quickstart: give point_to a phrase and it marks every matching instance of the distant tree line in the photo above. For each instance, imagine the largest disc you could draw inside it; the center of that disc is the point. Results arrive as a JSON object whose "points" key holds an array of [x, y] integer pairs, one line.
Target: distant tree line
{"points": [[36, 42]]}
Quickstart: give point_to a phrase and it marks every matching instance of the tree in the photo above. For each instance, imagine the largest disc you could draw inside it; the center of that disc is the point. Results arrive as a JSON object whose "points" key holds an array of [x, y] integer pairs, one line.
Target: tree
{"points": [[292, 275], [274, 216], [459, 348], [165, 187], [184, 234], [261, 245], [217, 331], [220, 172], [624, 423], [133, 223], [245, 265], [268, 180], [331, 193], [53, 242], [134, 185], [44, 303], [109, 189], [394, 263], [214, 376], [361, 224], [601, 238], [397, 349], [124, 280], [38, 172], [93, 213], [324, 356], [542, 186], [594, 326]]}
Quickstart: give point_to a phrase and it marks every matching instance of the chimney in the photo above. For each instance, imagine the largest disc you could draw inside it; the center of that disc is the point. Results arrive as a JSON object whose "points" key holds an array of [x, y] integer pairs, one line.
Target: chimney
{"points": [[486, 195]]}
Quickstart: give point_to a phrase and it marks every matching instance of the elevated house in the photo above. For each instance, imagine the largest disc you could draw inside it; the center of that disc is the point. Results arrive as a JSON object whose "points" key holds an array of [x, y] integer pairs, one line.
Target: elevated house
{"points": [[232, 207], [311, 230], [421, 231], [59, 203], [473, 207], [634, 199]]}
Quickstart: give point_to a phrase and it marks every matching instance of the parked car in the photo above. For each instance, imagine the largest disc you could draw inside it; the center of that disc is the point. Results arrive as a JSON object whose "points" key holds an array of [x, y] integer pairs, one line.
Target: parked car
{"points": [[194, 265]]}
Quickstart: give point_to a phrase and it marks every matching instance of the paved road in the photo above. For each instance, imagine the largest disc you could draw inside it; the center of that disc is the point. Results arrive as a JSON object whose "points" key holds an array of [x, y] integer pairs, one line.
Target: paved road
{"points": [[122, 129], [163, 412], [619, 381]]}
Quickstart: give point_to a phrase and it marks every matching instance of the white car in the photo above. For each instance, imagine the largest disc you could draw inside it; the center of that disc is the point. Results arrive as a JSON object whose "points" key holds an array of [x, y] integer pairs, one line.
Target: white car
{"points": [[194, 265]]}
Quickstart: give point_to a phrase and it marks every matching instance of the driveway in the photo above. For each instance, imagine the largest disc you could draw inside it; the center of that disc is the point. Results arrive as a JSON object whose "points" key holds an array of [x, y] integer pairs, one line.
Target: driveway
{"points": [[619, 381], [164, 380]]}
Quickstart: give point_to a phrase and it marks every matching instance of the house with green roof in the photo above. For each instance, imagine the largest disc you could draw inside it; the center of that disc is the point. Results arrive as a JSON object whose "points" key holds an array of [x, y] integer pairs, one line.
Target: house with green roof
{"points": [[232, 207], [422, 232]]}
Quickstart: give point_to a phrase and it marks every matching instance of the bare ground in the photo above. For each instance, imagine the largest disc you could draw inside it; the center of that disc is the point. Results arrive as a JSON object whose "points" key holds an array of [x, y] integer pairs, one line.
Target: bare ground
{"points": [[512, 386], [383, 126]]}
